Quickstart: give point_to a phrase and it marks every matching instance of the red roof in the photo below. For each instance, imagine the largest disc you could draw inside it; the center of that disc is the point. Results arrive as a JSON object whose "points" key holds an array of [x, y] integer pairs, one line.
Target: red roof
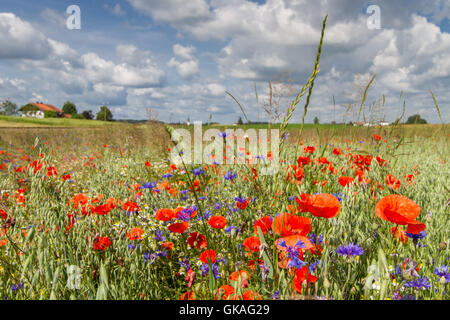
{"points": [[46, 107]]}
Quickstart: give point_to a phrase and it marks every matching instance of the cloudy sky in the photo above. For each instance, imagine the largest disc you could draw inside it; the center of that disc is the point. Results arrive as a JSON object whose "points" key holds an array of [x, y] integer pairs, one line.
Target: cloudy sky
{"points": [[179, 57]]}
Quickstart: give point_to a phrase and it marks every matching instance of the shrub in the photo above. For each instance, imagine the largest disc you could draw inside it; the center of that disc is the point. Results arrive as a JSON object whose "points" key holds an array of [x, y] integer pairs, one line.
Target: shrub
{"points": [[50, 114]]}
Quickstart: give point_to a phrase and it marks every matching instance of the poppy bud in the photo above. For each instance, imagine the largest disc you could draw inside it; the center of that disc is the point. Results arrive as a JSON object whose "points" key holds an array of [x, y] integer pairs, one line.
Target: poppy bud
{"points": [[443, 245], [326, 283], [442, 280]]}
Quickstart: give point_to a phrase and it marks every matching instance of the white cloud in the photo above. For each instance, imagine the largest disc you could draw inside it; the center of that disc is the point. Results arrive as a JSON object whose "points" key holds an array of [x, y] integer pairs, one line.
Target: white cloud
{"points": [[19, 39]]}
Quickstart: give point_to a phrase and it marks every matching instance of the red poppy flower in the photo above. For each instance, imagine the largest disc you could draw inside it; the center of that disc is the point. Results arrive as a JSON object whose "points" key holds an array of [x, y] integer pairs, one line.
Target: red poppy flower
{"points": [[188, 295], [217, 222], [381, 162], [197, 240], [3, 214], [301, 275], [208, 254], [321, 205], [265, 223], [148, 164], [178, 227], [101, 243], [251, 295], [377, 137], [337, 151], [303, 161], [130, 206], [286, 224], [102, 209], [345, 181], [392, 182], [252, 244], [66, 177], [400, 210], [241, 274], [167, 245], [309, 149], [164, 214], [242, 204], [225, 291], [135, 234]]}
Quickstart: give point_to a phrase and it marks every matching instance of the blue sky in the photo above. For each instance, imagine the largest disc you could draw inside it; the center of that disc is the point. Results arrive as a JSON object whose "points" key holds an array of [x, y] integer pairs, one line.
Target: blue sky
{"points": [[179, 57]]}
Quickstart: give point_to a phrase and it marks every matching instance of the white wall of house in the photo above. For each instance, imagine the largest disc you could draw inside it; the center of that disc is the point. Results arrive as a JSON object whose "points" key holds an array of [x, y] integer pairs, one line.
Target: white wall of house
{"points": [[34, 114]]}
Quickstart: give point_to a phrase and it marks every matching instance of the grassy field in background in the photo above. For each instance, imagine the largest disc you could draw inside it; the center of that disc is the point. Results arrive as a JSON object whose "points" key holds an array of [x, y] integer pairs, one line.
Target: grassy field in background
{"points": [[10, 121]]}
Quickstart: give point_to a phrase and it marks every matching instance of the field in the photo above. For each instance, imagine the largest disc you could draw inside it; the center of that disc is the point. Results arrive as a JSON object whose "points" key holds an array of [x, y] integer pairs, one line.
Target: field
{"points": [[102, 213]]}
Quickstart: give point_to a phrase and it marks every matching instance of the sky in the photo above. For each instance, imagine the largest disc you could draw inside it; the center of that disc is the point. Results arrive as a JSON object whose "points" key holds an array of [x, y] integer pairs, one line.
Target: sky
{"points": [[179, 58]]}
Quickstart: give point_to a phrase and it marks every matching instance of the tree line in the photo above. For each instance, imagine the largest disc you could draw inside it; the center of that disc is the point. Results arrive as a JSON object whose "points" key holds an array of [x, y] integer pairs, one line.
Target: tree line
{"points": [[9, 108]]}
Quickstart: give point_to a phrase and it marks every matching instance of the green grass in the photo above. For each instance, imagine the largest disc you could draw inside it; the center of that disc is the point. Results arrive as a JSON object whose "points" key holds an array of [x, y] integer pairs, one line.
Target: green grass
{"points": [[9, 121]]}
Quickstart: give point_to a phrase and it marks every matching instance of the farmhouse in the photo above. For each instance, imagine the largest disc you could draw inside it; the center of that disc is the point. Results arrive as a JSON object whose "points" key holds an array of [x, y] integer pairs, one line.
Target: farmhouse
{"points": [[36, 110]]}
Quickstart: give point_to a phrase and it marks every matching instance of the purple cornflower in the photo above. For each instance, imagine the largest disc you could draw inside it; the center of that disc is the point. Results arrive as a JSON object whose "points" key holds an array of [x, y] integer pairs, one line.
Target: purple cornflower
{"points": [[350, 250], [198, 171], [293, 254], [418, 284], [314, 239], [230, 175], [229, 228], [15, 287], [148, 185], [215, 269], [442, 271], [223, 134], [276, 295], [185, 264], [167, 175], [159, 236], [416, 236]]}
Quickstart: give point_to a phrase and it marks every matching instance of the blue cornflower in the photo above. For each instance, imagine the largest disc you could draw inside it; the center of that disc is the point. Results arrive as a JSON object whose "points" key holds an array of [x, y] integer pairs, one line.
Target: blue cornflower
{"points": [[276, 295], [442, 271], [350, 250], [159, 236], [198, 171], [167, 175], [150, 257], [229, 228], [293, 254], [223, 134], [185, 264], [148, 185], [133, 246], [230, 175], [416, 236], [15, 287], [215, 269], [338, 196], [418, 284], [314, 239]]}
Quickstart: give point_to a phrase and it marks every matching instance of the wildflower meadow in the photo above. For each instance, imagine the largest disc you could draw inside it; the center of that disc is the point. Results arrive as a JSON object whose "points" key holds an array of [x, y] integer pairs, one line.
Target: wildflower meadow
{"points": [[350, 213]]}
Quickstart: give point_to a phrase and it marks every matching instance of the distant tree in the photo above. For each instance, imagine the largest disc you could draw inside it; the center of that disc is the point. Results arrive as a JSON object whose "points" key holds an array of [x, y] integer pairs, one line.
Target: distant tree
{"points": [[69, 108], [88, 115], [8, 108], [104, 114], [416, 119], [316, 120], [333, 122], [50, 114], [240, 121]]}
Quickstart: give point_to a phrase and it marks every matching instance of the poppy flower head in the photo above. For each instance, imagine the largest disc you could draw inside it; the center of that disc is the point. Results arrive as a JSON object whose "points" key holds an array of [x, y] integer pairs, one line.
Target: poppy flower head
{"points": [[164, 214], [252, 244], [135, 233], [217, 222], [208, 255], [321, 205], [400, 210], [264, 223], [286, 224], [101, 243], [179, 227]]}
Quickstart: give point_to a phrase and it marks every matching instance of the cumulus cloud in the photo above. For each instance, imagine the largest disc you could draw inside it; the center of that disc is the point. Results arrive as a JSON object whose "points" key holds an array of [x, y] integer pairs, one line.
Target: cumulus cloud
{"points": [[19, 39], [188, 67]]}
